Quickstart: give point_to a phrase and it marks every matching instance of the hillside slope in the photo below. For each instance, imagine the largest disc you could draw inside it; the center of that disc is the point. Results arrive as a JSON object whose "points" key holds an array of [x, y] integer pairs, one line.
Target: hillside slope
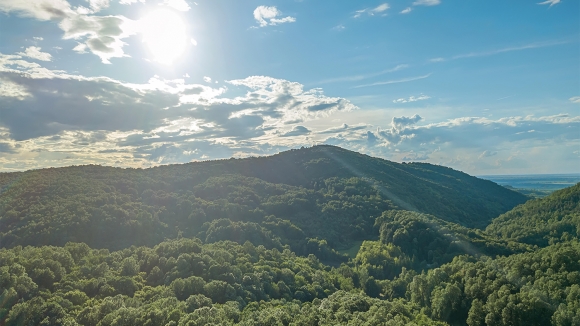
{"points": [[441, 191], [309, 198], [541, 221]]}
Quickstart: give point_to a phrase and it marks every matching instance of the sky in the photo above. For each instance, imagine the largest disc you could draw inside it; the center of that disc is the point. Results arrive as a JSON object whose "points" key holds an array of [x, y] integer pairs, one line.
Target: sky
{"points": [[485, 87]]}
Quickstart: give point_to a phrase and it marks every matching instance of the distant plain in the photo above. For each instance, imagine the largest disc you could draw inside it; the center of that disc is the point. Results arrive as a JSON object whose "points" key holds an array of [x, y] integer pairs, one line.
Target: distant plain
{"points": [[540, 182]]}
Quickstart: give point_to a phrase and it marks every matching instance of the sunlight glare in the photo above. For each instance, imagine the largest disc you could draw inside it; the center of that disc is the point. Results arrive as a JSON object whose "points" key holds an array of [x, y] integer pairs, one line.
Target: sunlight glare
{"points": [[164, 33]]}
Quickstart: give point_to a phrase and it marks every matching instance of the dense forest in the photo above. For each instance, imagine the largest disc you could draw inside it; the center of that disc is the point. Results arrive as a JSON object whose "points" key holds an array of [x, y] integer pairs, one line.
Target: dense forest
{"points": [[315, 236]]}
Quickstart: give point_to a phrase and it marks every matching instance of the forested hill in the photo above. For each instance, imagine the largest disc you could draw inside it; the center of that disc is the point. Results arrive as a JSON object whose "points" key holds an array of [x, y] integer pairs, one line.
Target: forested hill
{"points": [[323, 193], [542, 221], [254, 242], [438, 190]]}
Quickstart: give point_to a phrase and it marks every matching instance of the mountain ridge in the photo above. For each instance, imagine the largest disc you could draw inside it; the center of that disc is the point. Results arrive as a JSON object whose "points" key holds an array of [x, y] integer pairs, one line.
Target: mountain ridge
{"points": [[329, 193]]}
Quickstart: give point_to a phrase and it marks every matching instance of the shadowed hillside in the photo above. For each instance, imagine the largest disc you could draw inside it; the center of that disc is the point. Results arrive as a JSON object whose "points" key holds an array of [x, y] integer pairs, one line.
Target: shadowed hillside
{"points": [[542, 221], [316, 200]]}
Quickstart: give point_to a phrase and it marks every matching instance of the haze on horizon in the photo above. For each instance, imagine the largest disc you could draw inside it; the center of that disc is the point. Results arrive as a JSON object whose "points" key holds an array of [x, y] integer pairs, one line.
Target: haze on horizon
{"points": [[487, 88]]}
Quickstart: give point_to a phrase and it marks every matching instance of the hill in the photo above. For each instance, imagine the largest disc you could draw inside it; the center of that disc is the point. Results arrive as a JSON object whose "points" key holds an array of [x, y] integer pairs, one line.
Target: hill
{"points": [[542, 221], [427, 188], [309, 198], [253, 242]]}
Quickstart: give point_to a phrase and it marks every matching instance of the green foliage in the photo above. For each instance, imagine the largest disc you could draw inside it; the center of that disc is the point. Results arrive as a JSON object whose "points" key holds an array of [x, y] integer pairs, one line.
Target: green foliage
{"points": [[381, 260], [323, 193], [535, 288], [429, 241], [542, 221], [255, 243], [194, 284]]}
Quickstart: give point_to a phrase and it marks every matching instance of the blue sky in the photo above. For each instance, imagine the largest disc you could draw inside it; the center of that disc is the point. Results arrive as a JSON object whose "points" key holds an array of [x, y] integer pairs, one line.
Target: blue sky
{"points": [[486, 87]]}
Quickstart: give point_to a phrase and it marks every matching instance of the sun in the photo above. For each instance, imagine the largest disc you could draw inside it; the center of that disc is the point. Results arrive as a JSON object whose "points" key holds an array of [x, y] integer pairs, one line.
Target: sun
{"points": [[164, 34]]}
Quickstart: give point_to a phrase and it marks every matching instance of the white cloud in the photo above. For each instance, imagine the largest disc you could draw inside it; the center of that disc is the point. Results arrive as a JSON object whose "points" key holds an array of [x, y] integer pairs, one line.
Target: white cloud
{"points": [[296, 131], [50, 9], [426, 2], [575, 99], [9, 89], [412, 99], [503, 50], [102, 34], [207, 79], [130, 2], [478, 132], [487, 153], [372, 11], [380, 8], [400, 122], [176, 112], [406, 10], [98, 5], [265, 16], [508, 145], [37, 38], [39, 9], [550, 2], [339, 27], [80, 48], [364, 76], [276, 21], [180, 5], [404, 80], [282, 100], [359, 13], [82, 10], [344, 128], [35, 53]]}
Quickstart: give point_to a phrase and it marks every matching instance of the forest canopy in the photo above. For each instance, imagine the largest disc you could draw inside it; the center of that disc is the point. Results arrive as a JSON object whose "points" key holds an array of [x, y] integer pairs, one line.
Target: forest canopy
{"points": [[316, 236]]}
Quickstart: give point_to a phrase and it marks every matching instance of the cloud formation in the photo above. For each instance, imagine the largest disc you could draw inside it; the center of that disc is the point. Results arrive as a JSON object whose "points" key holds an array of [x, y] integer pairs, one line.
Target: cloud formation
{"points": [[427, 2], [343, 128], [363, 76], [34, 52], [502, 50], [400, 122], [296, 131], [403, 80], [412, 99], [474, 144], [98, 5], [478, 132], [38, 9], [380, 9], [144, 119], [102, 35], [270, 16], [550, 2], [6, 148], [339, 27]]}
